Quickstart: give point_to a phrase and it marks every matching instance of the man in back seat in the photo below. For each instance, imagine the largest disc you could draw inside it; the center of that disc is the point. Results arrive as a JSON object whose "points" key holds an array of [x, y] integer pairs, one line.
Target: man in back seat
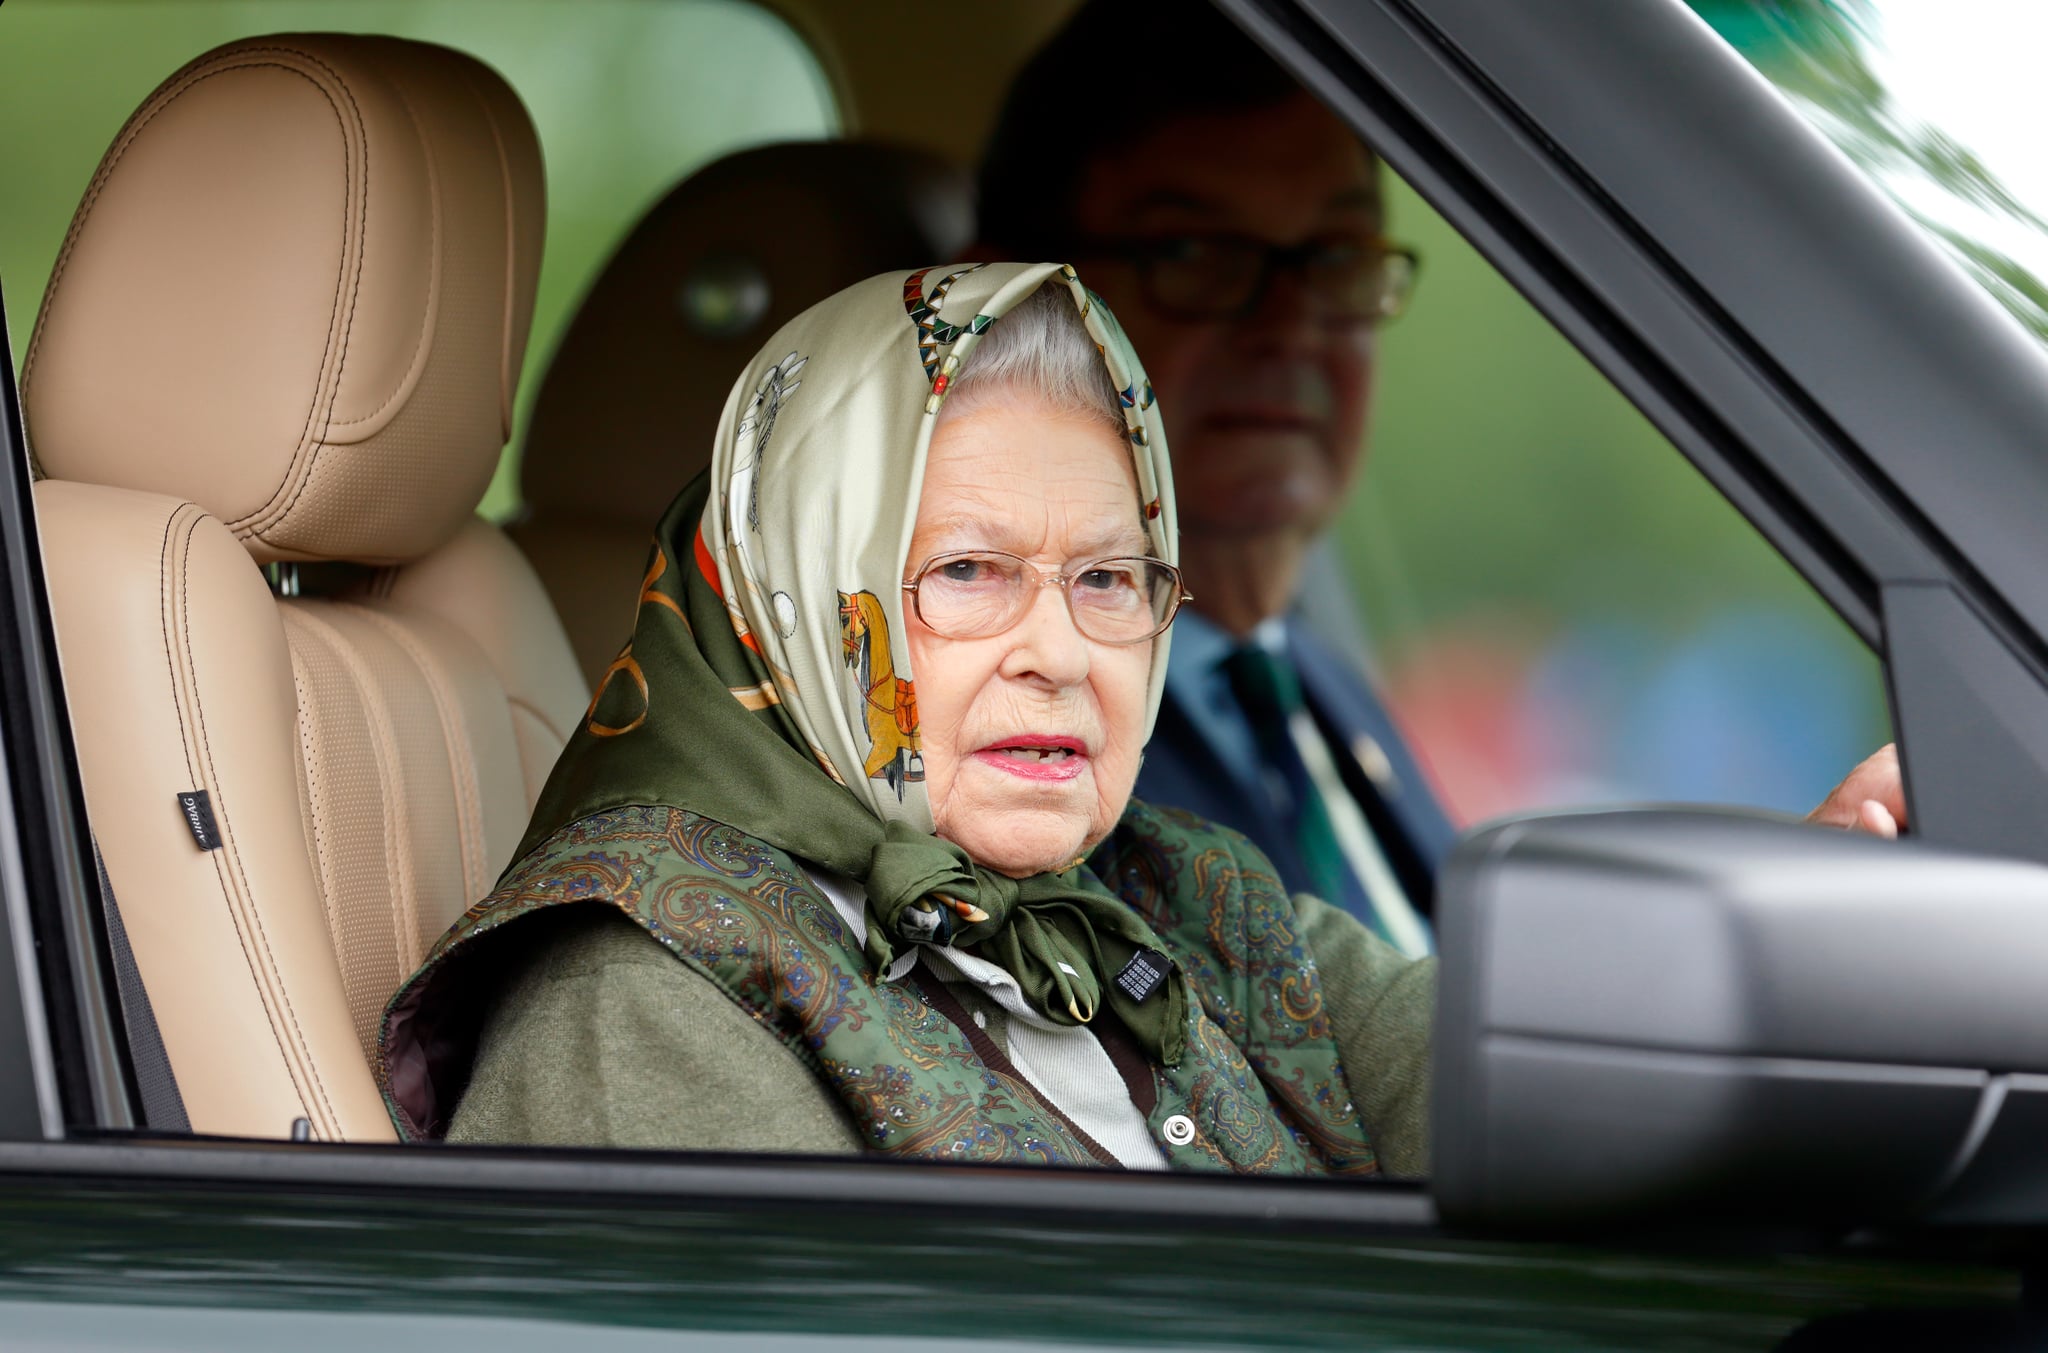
{"points": [[1235, 226]]}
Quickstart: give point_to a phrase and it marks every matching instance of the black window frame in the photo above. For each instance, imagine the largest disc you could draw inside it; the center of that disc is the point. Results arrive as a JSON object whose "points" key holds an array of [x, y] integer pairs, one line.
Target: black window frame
{"points": [[63, 1050]]}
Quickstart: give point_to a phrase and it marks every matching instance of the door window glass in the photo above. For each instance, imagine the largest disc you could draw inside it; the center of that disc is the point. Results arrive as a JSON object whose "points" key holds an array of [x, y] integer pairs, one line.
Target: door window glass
{"points": [[1561, 610]]}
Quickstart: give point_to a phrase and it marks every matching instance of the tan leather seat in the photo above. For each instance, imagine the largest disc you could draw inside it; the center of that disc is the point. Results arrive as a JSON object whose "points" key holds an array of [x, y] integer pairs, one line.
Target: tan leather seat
{"points": [[626, 413], [285, 330]]}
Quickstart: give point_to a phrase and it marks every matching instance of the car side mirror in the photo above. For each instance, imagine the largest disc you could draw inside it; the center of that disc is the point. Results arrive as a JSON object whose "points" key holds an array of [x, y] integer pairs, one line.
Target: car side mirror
{"points": [[1702, 1014]]}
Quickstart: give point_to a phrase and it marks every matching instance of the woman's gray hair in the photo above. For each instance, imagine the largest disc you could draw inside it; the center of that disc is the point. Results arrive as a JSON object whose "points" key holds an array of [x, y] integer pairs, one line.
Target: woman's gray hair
{"points": [[1041, 347]]}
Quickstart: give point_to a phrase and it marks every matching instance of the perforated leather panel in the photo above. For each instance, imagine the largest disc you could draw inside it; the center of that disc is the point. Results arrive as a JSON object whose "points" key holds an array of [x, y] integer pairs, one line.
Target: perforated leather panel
{"points": [[414, 792]]}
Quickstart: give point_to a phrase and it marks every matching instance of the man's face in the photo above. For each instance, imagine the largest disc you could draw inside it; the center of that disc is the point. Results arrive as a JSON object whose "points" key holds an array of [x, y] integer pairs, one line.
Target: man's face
{"points": [[1265, 412]]}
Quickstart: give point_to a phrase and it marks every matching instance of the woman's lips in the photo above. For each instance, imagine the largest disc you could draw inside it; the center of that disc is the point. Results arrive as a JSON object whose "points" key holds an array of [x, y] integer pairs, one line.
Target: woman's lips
{"points": [[1036, 757]]}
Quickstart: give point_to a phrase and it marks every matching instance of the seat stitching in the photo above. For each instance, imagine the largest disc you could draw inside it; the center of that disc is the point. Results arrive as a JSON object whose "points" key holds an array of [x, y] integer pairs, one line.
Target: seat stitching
{"points": [[507, 380], [192, 516], [92, 196], [328, 888], [127, 139], [274, 512], [299, 470], [461, 754], [164, 607], [405, 381], [253, 913], [248, 893]]}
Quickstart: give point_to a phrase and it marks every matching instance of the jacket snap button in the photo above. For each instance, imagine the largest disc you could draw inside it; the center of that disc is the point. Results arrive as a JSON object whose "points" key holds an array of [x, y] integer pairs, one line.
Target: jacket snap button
{"points": [[1180, 1130]]}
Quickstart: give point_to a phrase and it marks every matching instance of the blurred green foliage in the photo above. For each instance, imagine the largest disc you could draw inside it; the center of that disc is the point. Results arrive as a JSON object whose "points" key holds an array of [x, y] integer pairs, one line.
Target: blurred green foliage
{"points": [[626, 94], [1817, 51], [1561, 609]]}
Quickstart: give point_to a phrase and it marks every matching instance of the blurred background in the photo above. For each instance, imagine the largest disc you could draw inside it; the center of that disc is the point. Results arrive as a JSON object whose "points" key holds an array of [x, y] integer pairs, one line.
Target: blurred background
{"points": [[1560, 609]]}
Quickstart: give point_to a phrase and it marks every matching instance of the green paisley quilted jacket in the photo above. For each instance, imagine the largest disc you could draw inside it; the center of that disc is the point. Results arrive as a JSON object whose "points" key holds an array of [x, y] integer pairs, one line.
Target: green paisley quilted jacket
{"points": [[649, 977]]}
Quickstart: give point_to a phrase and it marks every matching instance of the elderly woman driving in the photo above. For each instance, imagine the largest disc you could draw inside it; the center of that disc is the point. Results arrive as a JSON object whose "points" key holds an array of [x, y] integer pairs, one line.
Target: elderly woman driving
{"points": [[844, 857]]}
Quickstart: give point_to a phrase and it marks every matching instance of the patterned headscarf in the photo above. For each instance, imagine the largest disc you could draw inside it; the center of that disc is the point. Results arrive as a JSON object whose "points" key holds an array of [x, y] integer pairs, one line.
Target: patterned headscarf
{"points": [[817, 470]]}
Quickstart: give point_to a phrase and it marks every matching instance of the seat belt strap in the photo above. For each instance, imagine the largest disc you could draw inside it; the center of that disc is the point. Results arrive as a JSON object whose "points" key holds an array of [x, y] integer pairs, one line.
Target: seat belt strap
{"points": [[163, 1108]]}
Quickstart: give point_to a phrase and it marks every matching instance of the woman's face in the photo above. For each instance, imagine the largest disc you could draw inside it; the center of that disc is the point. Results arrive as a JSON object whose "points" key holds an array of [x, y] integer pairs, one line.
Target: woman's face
{"points": [[1058, 489]]}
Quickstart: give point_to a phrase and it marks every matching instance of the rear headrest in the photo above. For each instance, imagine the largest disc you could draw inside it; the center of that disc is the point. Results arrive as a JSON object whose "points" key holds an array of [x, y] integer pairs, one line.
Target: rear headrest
{"points": [[627, 411], [297, 293]]}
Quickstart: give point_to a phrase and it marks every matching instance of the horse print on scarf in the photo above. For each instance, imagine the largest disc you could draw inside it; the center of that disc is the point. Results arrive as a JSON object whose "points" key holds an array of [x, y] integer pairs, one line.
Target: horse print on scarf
{"points": [[895, 756]]}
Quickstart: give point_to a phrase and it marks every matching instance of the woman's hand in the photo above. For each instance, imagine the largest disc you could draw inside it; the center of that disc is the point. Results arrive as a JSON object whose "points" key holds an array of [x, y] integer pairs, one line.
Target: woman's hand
{"points": [[1871, 799]]}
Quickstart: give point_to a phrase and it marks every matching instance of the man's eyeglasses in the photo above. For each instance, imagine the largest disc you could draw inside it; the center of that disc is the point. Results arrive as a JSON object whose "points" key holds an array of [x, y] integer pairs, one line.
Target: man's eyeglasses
{"points": [[1225, 276], [972, 594]]}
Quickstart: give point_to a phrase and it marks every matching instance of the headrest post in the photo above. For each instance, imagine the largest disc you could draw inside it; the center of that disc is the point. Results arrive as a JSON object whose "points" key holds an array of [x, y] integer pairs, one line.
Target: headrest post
{"points": [[283, 578]]}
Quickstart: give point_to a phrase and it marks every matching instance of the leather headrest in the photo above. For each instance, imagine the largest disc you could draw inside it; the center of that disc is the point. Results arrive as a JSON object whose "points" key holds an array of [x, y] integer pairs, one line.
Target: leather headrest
{"points": [[298, 293], [631, 400]]}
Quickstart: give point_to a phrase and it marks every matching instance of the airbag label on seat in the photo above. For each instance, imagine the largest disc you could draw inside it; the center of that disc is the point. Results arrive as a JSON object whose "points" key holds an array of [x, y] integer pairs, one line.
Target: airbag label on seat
{"points": [[198, 810]]}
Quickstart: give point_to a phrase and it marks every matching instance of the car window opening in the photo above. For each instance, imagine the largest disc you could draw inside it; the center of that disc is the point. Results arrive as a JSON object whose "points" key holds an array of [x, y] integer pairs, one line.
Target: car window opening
{"points": [[1520, 598]]}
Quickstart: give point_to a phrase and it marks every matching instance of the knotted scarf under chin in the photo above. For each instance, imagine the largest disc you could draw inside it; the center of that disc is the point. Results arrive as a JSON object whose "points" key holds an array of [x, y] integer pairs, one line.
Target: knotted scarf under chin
{"points": [[1065, 942]]}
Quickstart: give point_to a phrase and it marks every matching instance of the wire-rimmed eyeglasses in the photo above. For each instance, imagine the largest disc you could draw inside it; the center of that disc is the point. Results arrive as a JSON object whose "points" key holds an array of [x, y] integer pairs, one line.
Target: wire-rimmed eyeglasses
{"points": [[973, 594]]}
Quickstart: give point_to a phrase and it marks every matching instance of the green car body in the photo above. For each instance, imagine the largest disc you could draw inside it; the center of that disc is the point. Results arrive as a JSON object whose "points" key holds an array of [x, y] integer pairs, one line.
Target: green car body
{"points": [[952, 1261]]}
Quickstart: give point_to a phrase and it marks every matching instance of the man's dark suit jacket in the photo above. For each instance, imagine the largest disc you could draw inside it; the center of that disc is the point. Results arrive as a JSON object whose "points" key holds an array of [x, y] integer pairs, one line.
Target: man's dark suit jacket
{"points": [[1182, 769]]}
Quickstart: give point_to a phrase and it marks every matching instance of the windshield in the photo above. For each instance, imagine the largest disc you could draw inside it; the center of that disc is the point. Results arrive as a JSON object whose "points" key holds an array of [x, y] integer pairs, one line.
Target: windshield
{"points": [[1933, 100]]}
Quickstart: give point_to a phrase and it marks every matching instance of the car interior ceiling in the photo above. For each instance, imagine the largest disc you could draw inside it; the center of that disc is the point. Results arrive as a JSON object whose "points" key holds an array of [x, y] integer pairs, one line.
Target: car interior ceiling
{"points": [[354, 686]]}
